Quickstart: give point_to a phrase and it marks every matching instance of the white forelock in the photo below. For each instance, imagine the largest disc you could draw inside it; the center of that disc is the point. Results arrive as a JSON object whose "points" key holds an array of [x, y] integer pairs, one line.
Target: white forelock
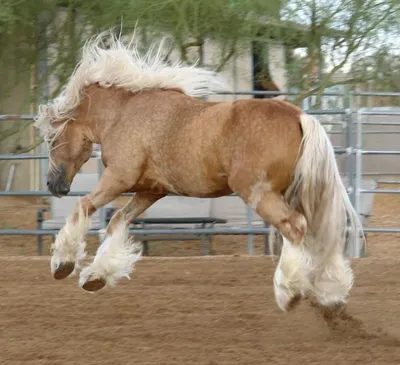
{"points": [[121, 65]]}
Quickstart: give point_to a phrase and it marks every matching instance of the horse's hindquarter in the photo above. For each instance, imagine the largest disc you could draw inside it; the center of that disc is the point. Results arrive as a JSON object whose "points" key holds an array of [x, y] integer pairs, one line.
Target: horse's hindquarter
{"points": [[263, 139]]}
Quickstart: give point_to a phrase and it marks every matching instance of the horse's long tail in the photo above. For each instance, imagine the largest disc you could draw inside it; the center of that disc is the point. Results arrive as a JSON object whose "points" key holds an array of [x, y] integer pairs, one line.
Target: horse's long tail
{"points": [[318, 190]]}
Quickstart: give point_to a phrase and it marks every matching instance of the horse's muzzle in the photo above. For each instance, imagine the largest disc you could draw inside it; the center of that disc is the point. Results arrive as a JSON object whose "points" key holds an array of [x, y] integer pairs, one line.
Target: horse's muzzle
{"points": [[58, 185]]}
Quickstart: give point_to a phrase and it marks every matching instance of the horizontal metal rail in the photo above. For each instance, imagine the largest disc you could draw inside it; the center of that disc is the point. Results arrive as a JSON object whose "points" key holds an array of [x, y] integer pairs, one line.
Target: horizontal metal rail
{"points": [[196, 231], [380, 174], [199, 231], [357, 93], [380, 132], [336, 111], [327, 112], [382, 230], [46, 193], [376, 93], [380, 123], [380, 191], [71, 193], [17, 117], [312, 111], [378, 113], [278, 93], [379, 152], [27, 156], [24, 156]]}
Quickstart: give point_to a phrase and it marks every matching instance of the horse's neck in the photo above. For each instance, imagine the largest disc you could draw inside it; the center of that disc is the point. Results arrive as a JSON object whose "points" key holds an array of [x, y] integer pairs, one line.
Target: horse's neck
{"points": [[97, 111]]}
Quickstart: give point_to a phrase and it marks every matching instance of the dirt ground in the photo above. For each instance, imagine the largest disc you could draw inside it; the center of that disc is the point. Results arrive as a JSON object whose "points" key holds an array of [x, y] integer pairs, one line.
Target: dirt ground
{"points": [[203, 311], [214, 310]]}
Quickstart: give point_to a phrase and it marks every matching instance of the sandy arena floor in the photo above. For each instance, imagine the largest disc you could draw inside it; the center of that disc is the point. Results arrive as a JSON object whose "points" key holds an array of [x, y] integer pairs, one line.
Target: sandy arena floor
{"points": [[215, 310], [209, 311]]}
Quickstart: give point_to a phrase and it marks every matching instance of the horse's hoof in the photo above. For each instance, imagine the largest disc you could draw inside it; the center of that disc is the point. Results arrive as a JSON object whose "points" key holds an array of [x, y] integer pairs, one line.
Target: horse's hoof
{"points": [[63, 270], [288, 304], [94, 285], [294, 302]]}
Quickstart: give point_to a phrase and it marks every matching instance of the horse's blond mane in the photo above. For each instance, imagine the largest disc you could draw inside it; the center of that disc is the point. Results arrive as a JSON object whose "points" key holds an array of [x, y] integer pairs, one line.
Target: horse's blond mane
{"points": [[121, 65]]}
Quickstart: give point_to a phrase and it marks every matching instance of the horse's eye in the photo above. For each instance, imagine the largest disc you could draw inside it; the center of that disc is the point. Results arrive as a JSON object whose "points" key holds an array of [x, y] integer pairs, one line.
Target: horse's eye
{"points": [[49, 141]]}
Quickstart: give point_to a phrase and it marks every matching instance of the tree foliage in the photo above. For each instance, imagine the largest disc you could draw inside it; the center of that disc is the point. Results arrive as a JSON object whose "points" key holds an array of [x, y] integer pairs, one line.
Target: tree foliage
{"points": [[379, 71], [340, 32], [333, 33], [45, 36]]}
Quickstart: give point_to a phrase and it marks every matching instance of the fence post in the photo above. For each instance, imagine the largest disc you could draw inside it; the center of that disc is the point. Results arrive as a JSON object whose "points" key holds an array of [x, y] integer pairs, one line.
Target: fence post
{"points": [[102, 210], [40, 237], [250, 237], [354, 169], [350, 145], [358, 252], [348, 105]]}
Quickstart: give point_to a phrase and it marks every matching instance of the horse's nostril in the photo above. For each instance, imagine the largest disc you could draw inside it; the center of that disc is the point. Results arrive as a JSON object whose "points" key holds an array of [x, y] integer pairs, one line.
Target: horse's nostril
{"points": [[64, 190], [48, 183]]}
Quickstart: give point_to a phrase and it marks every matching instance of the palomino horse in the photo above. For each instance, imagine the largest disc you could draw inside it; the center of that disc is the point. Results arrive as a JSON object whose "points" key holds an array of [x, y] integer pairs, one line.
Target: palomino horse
{"points": [[158, 138]]}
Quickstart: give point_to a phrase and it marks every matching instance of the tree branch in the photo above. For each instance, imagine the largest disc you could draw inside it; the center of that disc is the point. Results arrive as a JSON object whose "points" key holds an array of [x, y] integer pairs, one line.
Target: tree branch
{"points": [[350, 81], [192, 44], [226, 58], [25, 149], [9, 132], [354, 40], [16, 129]]}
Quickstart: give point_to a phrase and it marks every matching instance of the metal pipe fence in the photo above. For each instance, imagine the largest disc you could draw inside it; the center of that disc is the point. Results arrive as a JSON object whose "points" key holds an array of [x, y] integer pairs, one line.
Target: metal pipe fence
{"points": [[351, 124], [200, 231]]}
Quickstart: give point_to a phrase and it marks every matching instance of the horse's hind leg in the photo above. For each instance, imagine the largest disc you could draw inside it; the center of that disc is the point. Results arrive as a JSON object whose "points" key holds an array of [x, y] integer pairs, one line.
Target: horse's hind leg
{"points": [[291, 280], [118, 253], [333, 280]]}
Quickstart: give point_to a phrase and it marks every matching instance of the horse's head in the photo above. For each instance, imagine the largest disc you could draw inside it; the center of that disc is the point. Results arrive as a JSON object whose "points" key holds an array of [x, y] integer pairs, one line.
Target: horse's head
{"points": [[69, 150]]}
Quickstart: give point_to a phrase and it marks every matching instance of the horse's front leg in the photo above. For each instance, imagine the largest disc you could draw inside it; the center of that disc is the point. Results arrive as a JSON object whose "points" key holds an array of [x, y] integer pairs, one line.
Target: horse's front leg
{"points": [[69, 246], [116, 256]]}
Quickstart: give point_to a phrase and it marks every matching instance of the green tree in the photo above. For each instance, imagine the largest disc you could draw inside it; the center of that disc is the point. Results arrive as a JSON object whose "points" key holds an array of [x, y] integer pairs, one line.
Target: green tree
{"points": [[338, 32], [379, 71], [55, 31], [333, 32]]}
